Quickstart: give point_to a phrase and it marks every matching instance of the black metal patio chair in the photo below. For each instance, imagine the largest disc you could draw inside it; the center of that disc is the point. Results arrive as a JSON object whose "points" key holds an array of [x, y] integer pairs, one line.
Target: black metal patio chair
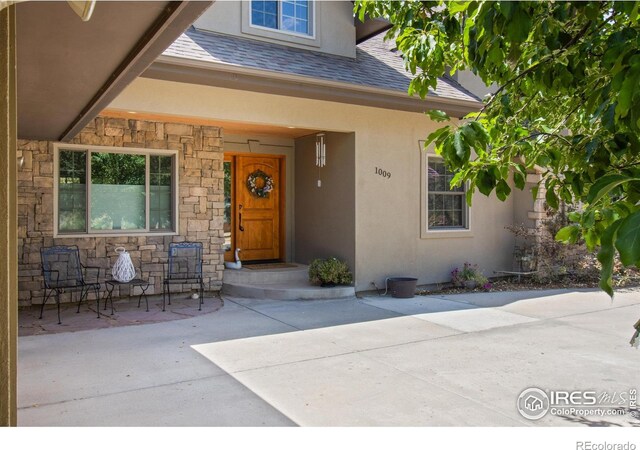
{"points": [[63, 272], [184, 266]]}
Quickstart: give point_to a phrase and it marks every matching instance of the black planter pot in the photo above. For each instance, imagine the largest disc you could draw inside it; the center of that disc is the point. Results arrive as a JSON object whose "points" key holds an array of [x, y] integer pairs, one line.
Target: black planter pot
{"points": [[402, 287]]}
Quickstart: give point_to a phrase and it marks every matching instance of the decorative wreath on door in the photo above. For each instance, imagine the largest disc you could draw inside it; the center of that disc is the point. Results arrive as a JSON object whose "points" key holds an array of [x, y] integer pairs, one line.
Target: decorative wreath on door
{"points": [[252, 184]]}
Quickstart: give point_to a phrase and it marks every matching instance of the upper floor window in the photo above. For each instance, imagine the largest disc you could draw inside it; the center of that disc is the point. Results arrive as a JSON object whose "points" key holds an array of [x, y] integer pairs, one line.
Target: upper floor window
{"points": [[105, 190], [447, 208], [293, 16]]}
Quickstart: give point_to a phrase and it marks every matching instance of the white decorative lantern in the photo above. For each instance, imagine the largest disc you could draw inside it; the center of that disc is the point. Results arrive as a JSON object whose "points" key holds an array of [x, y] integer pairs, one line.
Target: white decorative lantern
{"points": [[123, 270]]}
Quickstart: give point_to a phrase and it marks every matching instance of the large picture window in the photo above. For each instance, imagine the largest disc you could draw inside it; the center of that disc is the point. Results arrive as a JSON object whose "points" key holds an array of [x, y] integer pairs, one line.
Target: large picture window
{"points": [[294, 16], [115, 191], [447, 208]]}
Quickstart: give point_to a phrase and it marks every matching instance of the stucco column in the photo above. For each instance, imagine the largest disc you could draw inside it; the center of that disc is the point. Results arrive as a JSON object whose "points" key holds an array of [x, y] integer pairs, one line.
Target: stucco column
{"points": [[537, 213], [8, 219]]}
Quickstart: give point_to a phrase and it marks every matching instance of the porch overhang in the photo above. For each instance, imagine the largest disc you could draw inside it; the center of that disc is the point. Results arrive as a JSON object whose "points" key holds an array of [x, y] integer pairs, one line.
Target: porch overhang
{"points": [[69, 70]]}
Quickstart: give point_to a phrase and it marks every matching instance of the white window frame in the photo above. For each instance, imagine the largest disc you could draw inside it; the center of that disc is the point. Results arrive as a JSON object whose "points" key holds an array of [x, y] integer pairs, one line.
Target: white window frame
{"points": [[425, 231], [58, 147], [312, 22]]}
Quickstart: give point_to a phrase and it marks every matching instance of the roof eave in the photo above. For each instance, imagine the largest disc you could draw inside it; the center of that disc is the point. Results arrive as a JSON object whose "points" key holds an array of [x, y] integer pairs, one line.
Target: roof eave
{"points": [[171, 68]]}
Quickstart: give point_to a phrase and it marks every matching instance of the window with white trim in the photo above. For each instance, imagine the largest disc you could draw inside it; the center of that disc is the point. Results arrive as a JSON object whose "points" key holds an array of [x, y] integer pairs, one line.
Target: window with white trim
{"points": [[293, 16], [447, 208], [115, 191]]}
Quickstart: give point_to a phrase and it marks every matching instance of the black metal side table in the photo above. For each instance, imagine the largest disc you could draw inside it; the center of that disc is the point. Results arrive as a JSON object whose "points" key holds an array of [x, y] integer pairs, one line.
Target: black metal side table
{"points": [[110, 285]]}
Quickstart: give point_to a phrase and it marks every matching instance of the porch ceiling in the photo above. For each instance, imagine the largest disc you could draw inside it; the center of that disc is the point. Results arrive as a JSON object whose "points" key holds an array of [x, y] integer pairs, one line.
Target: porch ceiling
{"points": [[69, 70], [230, 127]]}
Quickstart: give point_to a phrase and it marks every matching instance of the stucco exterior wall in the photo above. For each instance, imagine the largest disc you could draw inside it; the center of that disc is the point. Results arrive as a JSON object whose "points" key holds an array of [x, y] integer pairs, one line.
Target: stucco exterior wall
{"points": [[387, 210], [474, 83], [325, 215], [200, 203], [523, 206], [335, 32]]}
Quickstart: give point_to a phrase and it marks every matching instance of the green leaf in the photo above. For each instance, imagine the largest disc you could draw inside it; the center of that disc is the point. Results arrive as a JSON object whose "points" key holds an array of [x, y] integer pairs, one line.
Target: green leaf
{"points": [[506, 9], [608, 118], [458, 6], [502, 190], [436, 135], [518, 28], [591, 238], [485, 182], [604, 185], [448, 152], [519, 180], [565, 194], [589, 219], [469, 196], [469, 134], [481, 133], [361, 12], [606, 257], [438, 115], [591, 146], [462, 148], [543, 160], [591, 11], [577, 185], [628, 240], [458, 179], [568, 234], [574, 216], [627, 91], [552, 199]]}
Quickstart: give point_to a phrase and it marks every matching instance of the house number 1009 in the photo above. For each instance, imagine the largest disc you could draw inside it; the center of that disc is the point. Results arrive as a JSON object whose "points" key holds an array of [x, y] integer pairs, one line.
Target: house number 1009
{"points": [[383, 173]]}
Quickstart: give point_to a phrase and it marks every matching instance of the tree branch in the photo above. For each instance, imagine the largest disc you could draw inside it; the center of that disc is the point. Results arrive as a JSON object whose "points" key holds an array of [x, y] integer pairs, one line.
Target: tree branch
{"points": [[583, 31]]}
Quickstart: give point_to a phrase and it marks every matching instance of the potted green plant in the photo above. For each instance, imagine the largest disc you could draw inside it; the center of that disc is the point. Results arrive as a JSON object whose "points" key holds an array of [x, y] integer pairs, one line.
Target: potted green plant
{"points": [[329, 272], [469, 277]]}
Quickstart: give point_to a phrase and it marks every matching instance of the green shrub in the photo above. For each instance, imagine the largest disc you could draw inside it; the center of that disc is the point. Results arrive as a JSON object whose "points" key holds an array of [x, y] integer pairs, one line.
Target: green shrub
{"points": [[329, 271], [469, 272]]}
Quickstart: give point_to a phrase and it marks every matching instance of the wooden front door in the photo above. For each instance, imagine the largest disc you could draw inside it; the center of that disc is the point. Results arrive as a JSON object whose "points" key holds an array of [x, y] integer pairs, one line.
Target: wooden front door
{"points": [[257, 217]]}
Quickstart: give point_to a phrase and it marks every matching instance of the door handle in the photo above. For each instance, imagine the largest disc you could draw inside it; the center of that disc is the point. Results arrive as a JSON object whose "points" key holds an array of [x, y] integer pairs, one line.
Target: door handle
{"points": [[240, 227]]}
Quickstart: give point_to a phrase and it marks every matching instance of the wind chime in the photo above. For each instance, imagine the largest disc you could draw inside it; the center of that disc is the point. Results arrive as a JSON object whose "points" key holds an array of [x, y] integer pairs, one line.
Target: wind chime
{"points": [[321, 154]]}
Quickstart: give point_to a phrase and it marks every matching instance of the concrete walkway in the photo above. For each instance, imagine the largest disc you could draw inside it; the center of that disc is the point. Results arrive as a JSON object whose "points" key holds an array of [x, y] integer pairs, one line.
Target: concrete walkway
{"points": [[452, 360]]}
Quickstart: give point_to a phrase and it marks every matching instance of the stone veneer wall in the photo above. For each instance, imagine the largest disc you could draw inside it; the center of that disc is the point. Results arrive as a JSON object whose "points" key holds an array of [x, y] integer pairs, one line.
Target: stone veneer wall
{"points": [[201, 203]]}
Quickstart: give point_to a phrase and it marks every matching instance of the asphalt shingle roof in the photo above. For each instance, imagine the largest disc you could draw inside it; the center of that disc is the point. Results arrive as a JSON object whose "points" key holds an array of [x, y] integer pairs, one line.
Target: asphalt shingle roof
{"points": [[376, 64]]}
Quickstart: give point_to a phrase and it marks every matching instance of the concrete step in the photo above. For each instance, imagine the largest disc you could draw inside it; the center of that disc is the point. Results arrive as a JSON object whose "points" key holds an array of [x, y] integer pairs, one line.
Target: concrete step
{"points": [[291, 290], [249, 276]]}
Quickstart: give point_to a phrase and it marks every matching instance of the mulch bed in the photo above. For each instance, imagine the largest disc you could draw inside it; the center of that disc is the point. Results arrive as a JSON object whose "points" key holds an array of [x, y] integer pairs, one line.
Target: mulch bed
{"points": [[527, 284]]}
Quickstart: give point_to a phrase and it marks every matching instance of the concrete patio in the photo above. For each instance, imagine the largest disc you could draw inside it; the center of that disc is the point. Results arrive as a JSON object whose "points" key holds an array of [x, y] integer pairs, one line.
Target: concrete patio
{"points": [[446, 360]]}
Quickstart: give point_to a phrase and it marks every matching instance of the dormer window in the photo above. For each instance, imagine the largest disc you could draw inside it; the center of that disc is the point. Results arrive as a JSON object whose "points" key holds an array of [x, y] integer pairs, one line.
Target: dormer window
{"points": [[294, 16]]}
